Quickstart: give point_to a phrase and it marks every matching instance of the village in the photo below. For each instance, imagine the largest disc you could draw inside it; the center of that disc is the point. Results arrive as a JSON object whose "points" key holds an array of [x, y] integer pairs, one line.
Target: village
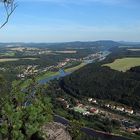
{"points": [[94, 107], [33, 69]]}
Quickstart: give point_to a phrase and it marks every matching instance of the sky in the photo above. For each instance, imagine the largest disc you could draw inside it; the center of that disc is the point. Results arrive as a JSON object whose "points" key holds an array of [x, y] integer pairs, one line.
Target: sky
{"points": [[72, 20]]}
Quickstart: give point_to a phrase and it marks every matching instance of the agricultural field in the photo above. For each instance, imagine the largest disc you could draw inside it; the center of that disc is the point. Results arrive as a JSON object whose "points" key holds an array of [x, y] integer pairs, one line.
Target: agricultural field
{"points": [[15, 59], [72, 69], [8, 59], [7, 54], [124, 64], [134, 49]]}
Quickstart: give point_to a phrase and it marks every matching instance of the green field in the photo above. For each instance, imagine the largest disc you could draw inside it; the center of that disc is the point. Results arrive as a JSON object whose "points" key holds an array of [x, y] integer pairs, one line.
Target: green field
{"points": [[134, 50], [80, 110], [15, 59], [8, 59], [124, 64], [75, 68], [46, 75], [7, 54]]}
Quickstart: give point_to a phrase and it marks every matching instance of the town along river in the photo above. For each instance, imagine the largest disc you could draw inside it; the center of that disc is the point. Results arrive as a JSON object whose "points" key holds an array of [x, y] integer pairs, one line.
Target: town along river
{"points": [[62, 73]]}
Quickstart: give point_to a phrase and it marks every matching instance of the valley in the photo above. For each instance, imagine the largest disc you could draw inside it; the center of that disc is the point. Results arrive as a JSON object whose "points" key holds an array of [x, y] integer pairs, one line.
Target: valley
{"points": [[87, 85]]}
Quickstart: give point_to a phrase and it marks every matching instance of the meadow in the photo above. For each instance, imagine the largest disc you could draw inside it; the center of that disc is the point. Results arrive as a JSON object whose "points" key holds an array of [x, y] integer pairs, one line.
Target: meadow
{"points": [[15, 59], [134, 49], [124, 64]]}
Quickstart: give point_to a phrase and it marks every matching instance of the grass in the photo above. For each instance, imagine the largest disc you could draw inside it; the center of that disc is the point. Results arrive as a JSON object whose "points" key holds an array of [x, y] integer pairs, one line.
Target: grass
{"points": [[9, 59], [25, 83], [15, 83], [79, 109], [8, 54], [15, 59], [29, 58], [127, 134], [134, 49], [124, 64], [75, 68], [46, 75]]}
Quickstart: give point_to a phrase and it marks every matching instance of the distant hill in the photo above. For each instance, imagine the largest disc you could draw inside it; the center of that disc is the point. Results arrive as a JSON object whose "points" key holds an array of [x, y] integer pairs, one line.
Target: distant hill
{"points": [[129, 43], [102, 44]]}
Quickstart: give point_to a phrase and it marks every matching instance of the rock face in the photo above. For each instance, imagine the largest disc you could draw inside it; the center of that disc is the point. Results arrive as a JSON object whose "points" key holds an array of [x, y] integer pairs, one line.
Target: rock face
{"points": [[56, 131]]}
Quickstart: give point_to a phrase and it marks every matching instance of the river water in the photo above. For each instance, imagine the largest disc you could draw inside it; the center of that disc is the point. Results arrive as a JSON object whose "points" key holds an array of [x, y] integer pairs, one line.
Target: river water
{"points": [[62, 73]]}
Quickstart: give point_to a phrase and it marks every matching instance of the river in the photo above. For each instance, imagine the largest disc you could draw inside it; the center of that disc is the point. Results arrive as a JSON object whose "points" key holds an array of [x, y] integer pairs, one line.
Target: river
{"points": [[62, 73]]}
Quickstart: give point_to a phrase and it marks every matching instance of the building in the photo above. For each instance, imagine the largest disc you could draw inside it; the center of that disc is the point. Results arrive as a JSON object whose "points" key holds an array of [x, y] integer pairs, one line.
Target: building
{"points": [[90, 99], [129, 111], [132, 129], [120, 108], [107, 105], [80, 105], [86, 113], [94, 110], [113, 107]]}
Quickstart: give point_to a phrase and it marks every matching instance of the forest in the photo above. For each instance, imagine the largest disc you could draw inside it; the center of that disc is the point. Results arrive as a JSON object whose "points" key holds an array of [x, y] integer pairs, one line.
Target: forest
{"points": [[98, 81]]}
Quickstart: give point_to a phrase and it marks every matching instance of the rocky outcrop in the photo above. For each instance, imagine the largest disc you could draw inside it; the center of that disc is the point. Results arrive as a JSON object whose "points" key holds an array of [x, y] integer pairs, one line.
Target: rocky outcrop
{"points": [[56, 131]]}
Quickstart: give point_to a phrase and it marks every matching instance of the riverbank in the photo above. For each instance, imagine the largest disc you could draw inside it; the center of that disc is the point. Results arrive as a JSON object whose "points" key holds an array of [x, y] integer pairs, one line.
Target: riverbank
{"points": [[48, 76]]}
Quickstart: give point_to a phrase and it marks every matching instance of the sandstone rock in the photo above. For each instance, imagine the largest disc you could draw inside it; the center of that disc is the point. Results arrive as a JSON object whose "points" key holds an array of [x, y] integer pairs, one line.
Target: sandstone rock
{"points": [[56, 131]]}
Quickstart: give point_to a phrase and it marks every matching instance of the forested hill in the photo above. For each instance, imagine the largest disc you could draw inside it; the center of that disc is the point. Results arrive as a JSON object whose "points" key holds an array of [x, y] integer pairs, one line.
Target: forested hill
{"points": [[103, 83], [98, 81]]}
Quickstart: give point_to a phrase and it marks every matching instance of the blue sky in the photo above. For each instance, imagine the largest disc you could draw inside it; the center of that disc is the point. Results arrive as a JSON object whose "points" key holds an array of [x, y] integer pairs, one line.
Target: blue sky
{"points": [[73, 20]]}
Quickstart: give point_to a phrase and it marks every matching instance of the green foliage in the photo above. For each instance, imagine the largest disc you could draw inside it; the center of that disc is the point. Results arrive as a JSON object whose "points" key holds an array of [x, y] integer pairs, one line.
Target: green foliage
{"points": [[2, 85], [20, 121], [74, 129], [103, 83]]}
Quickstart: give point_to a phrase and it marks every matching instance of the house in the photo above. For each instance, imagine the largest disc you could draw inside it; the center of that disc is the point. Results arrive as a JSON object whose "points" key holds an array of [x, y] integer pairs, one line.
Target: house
{"points": [[90, 99], [120, 108], [60, 99], [107, 105], [94, 110], [80, 105], [129, 111], [94, 101], [21, 76], [86, 113], [67, 59], [113, 107], [132, 129], [65, 104]]}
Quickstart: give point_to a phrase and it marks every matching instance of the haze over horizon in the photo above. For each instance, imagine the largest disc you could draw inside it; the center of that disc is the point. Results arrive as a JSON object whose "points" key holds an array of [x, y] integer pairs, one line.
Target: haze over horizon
{"points": [[81, 20]]}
